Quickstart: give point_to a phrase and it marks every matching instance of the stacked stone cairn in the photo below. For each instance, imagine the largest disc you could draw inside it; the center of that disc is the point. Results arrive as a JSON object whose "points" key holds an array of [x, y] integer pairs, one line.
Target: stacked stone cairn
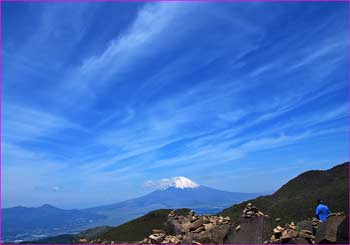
{"points": [[98, 241], [191, 228], [253, 227], [251, 211], [288, 232], [160, 237], [314, 223]]}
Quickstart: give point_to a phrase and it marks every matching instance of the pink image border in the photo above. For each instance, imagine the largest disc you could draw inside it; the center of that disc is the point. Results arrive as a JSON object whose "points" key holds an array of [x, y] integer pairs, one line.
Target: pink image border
{"points": [[125, 1]]}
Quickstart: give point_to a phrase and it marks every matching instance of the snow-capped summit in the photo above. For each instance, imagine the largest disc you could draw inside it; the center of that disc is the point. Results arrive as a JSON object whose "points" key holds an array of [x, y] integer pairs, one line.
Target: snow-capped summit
{"points": [[183, 182], [178, 182]]}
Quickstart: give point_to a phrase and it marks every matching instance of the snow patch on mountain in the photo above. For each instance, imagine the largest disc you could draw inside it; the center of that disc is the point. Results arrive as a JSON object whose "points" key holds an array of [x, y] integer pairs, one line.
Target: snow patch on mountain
{"points": [[183, 182], [179, 182]]}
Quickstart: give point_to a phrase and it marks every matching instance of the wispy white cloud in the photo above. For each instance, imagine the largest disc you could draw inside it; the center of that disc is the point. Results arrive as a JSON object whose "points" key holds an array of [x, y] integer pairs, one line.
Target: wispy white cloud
{"points": [[56, 188], [153, 132], [329, 47], [224, 99], [57, 26], [24, 123], [213, 148], [149, 28]]}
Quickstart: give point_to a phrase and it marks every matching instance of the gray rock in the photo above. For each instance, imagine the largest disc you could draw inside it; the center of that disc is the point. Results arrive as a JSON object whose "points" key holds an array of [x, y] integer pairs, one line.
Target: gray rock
{"points": [[157, 237], [219, 233], [305, 225], [199, 229], [196, 224], [289, 233], [327, 231], [296, 240], [343, 232], [187, 238], [187, 230], [177, 226], [253, 230]]}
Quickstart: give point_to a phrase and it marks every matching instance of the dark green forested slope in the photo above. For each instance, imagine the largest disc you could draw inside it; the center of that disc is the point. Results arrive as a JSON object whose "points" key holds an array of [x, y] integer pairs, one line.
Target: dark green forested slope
{"points": [[137, 229], [296, 200]]}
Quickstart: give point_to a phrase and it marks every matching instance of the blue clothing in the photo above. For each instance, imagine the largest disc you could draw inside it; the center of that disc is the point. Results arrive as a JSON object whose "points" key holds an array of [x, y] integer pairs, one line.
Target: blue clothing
{"points": [[322, 212]]}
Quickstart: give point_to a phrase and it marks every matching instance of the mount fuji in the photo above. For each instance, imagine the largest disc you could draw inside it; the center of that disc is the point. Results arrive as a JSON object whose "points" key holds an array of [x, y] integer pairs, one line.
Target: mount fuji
{"points": [[173, 193]]}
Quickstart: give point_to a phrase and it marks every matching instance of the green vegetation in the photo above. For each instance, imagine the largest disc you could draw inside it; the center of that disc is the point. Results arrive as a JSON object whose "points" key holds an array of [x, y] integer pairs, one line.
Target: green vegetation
{"points": [[137, 229], [296, 200]]}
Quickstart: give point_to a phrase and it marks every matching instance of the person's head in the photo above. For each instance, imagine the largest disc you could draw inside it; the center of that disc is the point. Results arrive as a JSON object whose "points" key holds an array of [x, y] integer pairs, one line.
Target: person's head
{"points": [[319, 201]]}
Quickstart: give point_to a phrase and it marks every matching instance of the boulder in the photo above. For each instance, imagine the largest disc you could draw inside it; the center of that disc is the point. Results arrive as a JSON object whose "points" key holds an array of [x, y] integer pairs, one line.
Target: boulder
{"points": [[306, 234], [158, 237], [209, 226], [210, 233], [305, 225], [289, 233], [191, 229], [199, 229], [219, 233], [171, 240], [177, 225], [187, 238], [296, 240], [202, 237], [206, 219], [314, 224], [343, 232], [196, 224], [256, 229], [327, 231]]}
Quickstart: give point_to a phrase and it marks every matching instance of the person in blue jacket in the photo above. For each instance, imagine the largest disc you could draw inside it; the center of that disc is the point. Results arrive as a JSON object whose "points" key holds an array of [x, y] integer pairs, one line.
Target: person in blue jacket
{"points": [[322, 210]]}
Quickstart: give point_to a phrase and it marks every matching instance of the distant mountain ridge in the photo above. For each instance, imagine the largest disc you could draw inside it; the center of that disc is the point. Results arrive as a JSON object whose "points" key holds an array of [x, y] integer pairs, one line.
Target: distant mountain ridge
{"points": [[20, 221], [180, 193], [130, 232], [199, 198]]}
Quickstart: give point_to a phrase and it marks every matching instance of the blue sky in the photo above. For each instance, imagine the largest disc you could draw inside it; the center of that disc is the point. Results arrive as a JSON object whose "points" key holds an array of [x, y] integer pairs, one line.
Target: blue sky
{"points": [[99, 98]]}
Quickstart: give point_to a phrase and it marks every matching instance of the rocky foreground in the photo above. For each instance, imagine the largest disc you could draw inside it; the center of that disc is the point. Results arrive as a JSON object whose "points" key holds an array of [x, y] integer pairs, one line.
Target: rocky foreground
{"points": [[252, 227]]}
